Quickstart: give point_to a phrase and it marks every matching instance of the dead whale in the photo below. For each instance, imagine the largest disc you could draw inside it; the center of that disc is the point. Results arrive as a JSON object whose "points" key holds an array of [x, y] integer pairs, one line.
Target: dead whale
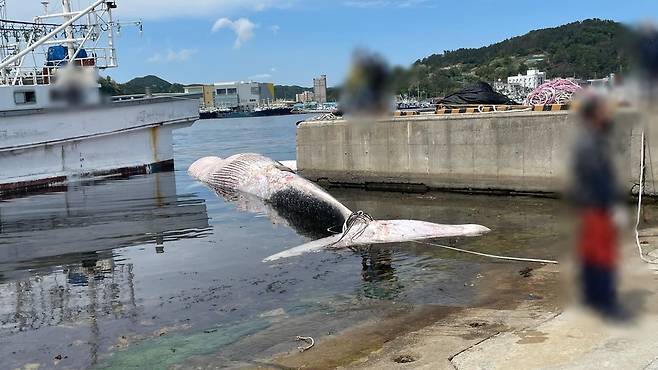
{"points": [[300, 200]]}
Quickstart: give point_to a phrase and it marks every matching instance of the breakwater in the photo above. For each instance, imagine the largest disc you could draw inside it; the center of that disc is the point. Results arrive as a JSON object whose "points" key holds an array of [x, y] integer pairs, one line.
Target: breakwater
{"points": [[526, 152]]}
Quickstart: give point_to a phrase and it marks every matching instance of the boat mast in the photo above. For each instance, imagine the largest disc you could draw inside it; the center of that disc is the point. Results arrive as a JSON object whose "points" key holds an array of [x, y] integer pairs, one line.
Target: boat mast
{"points": [[3, 43], [73, 17], [110, 35], [45, 6]]}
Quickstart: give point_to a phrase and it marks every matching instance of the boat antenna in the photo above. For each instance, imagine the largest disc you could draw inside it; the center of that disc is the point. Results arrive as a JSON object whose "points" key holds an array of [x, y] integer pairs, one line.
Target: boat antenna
{"points": [[45, 6]]}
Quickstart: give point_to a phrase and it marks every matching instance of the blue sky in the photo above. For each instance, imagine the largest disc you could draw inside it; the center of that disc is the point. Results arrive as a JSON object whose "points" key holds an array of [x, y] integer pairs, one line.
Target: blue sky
{"points": [[291, 41]]}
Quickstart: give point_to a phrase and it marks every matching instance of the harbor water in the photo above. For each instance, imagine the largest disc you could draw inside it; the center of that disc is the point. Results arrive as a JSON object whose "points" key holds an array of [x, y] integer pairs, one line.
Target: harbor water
{"points": [[157, 271]]}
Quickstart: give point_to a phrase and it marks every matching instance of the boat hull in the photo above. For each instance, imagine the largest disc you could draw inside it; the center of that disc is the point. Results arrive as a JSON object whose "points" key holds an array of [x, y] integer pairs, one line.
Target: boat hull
{"points": [[49, 147], [272, 112]]}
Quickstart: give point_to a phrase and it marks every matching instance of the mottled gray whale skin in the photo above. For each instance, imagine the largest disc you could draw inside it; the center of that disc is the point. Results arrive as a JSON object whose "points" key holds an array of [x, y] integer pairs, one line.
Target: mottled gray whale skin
{"points": [[303, 202]]}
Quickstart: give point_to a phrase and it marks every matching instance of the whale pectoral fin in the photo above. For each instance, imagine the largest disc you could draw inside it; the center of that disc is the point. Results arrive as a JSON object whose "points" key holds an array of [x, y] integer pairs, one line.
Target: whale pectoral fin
{"points": [[313, 246]]}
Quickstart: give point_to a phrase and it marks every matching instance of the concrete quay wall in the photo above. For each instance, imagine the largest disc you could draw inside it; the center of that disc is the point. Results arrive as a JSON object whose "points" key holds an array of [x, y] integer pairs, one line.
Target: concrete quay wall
{"points": [[524, 152]]}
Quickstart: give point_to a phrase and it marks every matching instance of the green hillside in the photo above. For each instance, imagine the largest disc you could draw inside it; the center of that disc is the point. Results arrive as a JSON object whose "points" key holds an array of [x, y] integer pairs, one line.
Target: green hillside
{"points": [[591, 48], [138, 86], [289, 91]]}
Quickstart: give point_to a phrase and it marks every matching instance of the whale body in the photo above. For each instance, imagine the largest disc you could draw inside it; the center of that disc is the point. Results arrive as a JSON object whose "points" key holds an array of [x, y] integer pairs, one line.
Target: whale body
{"points": [[306, 206]]}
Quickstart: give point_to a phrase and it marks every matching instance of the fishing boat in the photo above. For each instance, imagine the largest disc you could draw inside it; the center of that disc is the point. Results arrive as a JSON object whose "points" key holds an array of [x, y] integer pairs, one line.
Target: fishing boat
{"points": [[272, 110], [55, 126]]}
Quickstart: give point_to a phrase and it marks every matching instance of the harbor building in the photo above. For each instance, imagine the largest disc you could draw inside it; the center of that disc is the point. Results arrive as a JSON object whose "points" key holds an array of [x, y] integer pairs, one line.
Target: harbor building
{"points": [[304, 97], [208, 96], [207, 93], [320, 89], [193, 89], [532, 79], [243, 96]]}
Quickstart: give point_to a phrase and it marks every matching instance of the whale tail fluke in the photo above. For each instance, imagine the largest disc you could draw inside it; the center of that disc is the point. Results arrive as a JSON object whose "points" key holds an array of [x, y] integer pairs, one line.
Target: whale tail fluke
{"points": [[369, 231]]}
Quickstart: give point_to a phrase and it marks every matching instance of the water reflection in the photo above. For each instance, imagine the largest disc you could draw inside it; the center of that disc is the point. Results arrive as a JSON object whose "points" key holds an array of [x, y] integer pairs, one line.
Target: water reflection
{"points": [[129, 273], [380, 280], [59, 264], [59, 228]]}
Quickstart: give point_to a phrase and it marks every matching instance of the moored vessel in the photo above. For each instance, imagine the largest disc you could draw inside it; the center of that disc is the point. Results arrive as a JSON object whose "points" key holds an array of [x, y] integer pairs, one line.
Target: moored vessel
{"points": [[55, 126]]}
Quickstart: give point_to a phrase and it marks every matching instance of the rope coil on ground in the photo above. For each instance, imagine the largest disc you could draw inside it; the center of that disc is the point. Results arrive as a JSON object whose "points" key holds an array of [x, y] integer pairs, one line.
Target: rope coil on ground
{"points": [[558, 91], [309, 340]]}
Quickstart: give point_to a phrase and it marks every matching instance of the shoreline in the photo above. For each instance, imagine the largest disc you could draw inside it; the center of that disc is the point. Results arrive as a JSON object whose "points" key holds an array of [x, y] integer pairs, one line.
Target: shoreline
{"points": [[499, 333], [431, 335]]}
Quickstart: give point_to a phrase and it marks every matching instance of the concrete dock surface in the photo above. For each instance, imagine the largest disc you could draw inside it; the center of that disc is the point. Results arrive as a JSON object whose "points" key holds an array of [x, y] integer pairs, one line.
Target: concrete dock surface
{"points": [[551, 332], [575, 338]]}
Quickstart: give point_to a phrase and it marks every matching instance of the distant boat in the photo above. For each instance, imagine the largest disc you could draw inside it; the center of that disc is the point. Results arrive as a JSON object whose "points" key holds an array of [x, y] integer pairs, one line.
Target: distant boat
{"points": [[213, 112], [272, 111]]}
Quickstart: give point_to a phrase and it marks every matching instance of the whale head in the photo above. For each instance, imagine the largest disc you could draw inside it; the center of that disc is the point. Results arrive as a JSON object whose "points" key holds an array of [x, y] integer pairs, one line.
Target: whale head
{"points": [[204, 167]]}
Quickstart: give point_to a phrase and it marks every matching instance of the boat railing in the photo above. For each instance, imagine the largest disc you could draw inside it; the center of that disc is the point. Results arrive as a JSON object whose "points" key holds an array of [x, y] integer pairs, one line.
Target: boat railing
{"points": [[33, 53], [118, 98]]}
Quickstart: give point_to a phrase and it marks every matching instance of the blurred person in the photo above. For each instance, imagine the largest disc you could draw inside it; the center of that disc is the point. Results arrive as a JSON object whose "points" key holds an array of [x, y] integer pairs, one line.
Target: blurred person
{"points": [[646, 52], [596, 195], [367, 90]]}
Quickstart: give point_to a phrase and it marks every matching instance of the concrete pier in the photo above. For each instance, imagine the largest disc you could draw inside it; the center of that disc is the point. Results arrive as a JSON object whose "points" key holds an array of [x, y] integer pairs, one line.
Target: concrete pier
{"points": [[524, 152]]}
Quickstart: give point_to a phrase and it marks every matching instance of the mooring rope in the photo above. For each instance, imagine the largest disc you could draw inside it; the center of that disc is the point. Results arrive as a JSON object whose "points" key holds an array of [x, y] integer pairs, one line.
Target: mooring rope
{"points": [[507, 258], [350, 222], [639, 206], [558, 91]]}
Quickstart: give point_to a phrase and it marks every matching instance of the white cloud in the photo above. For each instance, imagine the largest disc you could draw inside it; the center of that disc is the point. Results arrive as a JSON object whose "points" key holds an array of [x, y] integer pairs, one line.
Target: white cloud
{"points": [[261, 76], [173, 56], [157, 9], [384, 3], [243, 29], [275, 29]]}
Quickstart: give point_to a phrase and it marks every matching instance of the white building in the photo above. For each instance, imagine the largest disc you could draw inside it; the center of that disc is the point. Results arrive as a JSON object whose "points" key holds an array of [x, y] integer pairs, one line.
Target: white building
{"points": [[320, 89], [305, 97], [531, 79], [193, 89], [243, 96]]}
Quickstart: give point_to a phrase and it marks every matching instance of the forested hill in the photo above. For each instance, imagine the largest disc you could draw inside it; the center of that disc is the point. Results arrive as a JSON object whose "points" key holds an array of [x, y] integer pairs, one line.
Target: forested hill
{"points": [[158, 85], [591, 48], [138, 86]]}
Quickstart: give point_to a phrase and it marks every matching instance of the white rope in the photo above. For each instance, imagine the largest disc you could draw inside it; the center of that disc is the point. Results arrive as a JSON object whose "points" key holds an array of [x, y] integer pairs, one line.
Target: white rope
{"points": [[507, 258], [309, 340], [639, 205], [495, 110]]}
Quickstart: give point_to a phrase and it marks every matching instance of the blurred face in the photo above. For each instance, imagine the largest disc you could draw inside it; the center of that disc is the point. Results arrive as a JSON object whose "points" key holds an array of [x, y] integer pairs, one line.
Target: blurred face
{"points": [[601, 118]]}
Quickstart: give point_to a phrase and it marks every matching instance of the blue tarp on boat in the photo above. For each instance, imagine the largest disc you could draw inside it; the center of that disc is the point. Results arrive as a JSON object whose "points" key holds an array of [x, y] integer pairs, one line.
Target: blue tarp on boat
{"points": [[58, 55]]}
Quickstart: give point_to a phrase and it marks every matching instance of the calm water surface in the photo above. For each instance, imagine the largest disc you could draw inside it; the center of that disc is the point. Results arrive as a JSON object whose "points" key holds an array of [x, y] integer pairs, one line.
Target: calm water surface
{"points": [[156, 271]]}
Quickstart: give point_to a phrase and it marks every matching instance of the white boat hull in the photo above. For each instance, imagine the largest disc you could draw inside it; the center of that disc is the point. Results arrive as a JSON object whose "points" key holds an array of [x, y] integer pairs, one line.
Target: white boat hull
{"points": [[43, 147]]}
